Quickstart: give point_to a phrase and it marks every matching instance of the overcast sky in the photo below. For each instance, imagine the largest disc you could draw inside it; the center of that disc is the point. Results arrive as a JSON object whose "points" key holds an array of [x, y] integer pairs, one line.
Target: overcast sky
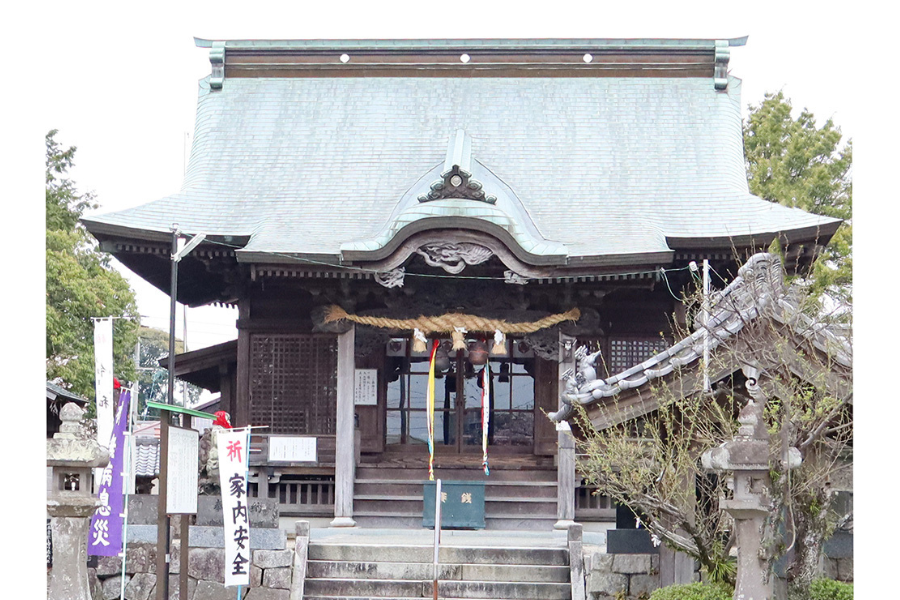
{"points": [[119, 80]]}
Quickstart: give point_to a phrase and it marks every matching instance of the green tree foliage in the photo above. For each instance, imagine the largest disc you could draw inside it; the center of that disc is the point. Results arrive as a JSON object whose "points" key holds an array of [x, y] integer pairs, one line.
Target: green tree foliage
{"points": [[80, 285], [153, 379], [694, 591], [796, 163]]}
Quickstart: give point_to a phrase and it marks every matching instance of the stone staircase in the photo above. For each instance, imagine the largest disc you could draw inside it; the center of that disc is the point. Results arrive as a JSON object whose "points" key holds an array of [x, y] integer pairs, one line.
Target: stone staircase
{"points": [[355, 571], [514, 499]]}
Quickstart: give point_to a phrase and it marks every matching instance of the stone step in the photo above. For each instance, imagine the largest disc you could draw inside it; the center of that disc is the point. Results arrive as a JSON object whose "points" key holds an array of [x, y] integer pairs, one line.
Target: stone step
{"points": [[500, 589], [372, 588], [424, 571], [448, 554], [308, 597], [492, 489], [364, 472], [380, 588], [378, 520], [411, 505]]}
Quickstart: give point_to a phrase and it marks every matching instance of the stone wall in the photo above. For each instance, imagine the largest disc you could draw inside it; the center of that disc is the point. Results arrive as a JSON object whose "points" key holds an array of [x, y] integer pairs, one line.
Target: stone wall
{"points": [[270, 564], [270, 574], [630, 576]]}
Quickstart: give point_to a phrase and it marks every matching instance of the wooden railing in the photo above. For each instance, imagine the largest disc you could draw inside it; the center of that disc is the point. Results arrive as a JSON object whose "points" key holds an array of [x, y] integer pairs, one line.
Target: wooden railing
{"points": [[592, 507], [299, 495]]}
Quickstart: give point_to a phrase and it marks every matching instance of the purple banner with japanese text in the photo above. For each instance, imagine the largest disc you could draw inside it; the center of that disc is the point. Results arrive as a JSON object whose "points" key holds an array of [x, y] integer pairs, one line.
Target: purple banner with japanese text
{"points": [[105, 533], [233, 446]]}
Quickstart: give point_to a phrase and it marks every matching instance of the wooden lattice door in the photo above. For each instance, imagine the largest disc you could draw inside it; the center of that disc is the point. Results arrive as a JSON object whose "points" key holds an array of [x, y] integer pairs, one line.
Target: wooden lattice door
{"points": [[293, 383]]}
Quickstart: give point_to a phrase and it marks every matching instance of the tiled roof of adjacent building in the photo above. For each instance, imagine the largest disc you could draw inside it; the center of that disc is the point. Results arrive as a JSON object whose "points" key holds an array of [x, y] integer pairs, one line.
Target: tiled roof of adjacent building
{"points": [[757, 291], [146, 454], [55, 391]]}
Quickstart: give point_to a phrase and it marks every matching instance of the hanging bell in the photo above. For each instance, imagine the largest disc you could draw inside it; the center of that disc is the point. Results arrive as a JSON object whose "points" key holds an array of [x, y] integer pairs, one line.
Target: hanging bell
{"points": [[478, 353], [441, 360]]}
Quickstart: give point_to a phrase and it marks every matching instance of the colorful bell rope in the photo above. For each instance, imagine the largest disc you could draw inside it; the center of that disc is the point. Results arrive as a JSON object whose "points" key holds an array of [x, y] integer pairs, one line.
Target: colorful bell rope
{"points": [[429, 399], [485, 413]]}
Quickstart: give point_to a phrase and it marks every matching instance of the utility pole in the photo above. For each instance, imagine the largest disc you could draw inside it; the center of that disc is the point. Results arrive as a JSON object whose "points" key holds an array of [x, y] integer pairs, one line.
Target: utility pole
{"points": [[163, 541], [704, 320], [706, 385]]}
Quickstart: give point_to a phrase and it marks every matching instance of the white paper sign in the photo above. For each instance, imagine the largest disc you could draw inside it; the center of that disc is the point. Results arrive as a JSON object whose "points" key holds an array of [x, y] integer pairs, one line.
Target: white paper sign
{"points": [[233, 446], [292, 449], [181, 464], [103, 379], [366, 387]]}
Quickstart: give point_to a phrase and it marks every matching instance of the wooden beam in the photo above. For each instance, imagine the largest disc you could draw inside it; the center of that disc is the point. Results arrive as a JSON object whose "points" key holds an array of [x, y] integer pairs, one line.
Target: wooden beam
{"points": [[345, 450]]}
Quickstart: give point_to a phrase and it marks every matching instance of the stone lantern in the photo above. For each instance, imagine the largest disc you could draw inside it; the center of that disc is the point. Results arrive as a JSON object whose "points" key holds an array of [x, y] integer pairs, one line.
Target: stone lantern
{"points": [[747, 458], [70, 503]]}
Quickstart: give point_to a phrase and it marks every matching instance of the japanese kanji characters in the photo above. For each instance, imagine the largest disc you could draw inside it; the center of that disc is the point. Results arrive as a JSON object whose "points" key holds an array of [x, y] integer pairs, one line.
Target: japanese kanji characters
{"points": [[232, 447]]}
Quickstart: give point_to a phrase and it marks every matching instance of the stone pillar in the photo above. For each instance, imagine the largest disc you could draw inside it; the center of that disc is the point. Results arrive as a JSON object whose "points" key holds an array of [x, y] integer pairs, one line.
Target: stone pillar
{"points": [[565, 457], [574, 538], [70, 510], [345, 451], [565, 478], [301, 556]]}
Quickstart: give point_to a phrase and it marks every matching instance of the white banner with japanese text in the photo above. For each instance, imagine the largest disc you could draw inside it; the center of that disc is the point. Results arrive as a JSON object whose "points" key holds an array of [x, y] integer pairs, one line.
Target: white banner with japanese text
{"points": [[103, 378], [233, 446]]}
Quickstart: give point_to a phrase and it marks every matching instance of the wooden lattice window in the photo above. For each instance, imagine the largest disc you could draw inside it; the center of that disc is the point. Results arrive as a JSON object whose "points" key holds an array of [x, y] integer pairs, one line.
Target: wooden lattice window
{"points": [[624, 353], [293, 383]]}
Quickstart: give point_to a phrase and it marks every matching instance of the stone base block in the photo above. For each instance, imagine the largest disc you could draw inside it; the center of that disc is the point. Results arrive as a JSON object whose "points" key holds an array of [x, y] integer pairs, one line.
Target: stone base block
{"points": [[174, 587], [607, 584], [140, 587], [278, 578], [271, 559], [207, 564], [112, 587], [268, 594], [632, 563], [211, 590]]}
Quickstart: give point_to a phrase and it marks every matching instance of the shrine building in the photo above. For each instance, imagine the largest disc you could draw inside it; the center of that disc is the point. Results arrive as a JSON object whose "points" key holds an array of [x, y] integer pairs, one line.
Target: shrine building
{"points": [[369, 204]]}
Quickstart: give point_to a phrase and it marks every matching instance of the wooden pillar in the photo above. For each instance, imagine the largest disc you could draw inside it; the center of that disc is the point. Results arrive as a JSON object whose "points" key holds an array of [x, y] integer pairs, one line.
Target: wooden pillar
{"points": [[676, 567], [226, 388], [565, 458], [345, 451], [241, 415]]}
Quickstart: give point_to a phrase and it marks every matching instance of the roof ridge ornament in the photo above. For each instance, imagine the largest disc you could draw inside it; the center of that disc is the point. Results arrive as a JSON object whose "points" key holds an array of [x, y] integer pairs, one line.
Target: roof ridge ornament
{"points": [[720, 76], [217, 62], [456, 178]]}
